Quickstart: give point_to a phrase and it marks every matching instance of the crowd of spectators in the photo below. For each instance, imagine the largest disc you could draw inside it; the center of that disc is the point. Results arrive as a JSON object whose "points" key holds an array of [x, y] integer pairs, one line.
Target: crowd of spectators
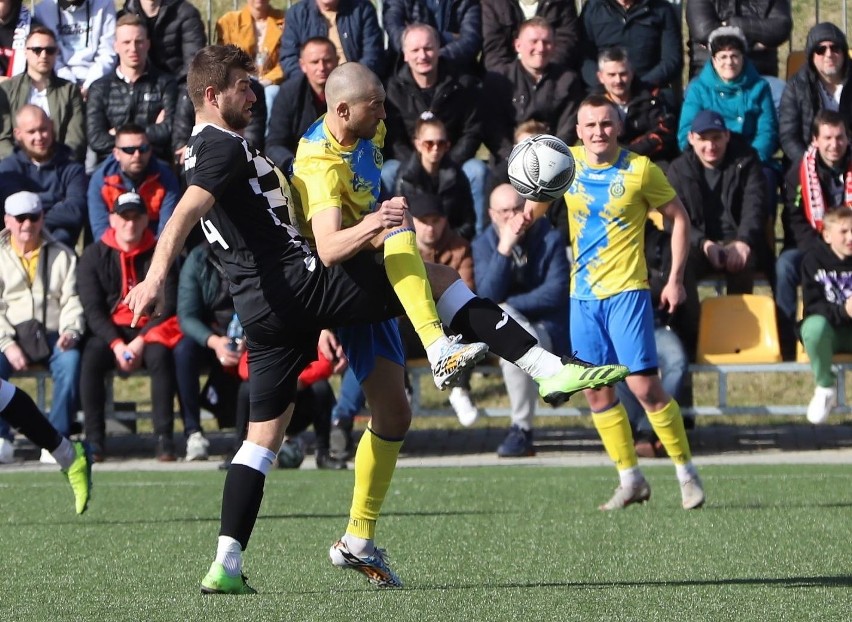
{"points": [[94, 109]]}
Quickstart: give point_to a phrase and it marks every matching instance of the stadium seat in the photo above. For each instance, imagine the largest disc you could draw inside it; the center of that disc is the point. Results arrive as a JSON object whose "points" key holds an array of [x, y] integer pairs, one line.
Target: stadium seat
{"points": [[795, 60], [738, 329]]}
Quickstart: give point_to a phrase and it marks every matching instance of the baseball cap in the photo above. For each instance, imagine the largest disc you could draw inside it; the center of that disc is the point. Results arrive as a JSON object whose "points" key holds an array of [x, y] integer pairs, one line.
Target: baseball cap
{"points": [[129, 202], [422, 205], [706, 121], [22, 203]]}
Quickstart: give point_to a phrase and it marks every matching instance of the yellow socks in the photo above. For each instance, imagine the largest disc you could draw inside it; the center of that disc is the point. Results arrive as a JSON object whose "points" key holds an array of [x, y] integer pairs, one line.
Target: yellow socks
{"points": [[614, 429], [375, 461], [407, 275], [668, 425]]}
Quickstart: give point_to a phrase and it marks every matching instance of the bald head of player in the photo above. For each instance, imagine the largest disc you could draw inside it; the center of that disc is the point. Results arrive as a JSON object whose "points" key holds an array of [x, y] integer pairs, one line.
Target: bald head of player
{"points": [[356, 103]]}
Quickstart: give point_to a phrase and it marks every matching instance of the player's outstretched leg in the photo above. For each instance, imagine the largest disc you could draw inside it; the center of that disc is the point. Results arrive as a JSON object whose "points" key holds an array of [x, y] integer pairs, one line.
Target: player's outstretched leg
{"points": [[19, 410], [480, 320], [79, 475]]}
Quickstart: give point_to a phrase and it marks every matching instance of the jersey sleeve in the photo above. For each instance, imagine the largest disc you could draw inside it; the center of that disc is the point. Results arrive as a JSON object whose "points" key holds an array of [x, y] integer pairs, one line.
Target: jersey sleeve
{"points": [[215, 163], [656, 188]]}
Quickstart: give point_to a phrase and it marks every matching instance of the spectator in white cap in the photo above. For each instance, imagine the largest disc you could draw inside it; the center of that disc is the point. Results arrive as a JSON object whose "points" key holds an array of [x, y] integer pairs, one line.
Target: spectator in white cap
{"points": [[41, 318]]}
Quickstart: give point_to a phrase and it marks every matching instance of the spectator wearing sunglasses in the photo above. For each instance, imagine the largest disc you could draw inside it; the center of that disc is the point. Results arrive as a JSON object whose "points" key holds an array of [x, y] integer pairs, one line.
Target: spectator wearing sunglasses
{"points": [[134, 92], [39, 85], [44, 166], [821, 83], [38, 277], [132, 167]]}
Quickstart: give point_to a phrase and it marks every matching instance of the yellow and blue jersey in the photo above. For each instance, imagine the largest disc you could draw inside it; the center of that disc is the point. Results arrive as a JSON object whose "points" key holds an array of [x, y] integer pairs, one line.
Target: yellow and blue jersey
{"points": [[607, 209], [328, 175]]}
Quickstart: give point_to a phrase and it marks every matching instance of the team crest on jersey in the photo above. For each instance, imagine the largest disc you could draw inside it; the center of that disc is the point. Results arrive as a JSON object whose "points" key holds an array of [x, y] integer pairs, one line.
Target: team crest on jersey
{"points": [[617, 189], [378, 160]]}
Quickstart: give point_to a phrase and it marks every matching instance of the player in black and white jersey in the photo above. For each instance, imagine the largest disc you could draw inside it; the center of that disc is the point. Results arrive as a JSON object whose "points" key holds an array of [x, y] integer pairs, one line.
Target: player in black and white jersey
{"points": [[283, 293]]}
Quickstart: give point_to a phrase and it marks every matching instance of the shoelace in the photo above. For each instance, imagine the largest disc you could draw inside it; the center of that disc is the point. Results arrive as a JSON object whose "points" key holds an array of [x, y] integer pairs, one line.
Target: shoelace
{"points": [[578, 361]]}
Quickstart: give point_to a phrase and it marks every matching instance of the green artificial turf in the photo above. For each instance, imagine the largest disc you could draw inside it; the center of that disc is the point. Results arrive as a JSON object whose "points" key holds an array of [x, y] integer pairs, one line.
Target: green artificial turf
{"points": [[483, 543]]}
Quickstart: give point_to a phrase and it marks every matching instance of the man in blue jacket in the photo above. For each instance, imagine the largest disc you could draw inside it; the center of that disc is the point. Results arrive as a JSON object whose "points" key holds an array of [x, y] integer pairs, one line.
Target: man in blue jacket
{"points": [[352, 25], [39, 164], [527, 274]]}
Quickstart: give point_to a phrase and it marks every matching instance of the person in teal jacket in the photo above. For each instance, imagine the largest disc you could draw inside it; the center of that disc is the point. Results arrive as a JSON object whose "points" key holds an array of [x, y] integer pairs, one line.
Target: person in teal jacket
{"points": [[731, 85]]}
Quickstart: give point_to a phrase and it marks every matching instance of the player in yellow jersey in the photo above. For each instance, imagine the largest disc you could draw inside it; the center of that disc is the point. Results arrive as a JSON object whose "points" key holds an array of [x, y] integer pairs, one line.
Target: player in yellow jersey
{"points": [[336, 181], [611, 312]]}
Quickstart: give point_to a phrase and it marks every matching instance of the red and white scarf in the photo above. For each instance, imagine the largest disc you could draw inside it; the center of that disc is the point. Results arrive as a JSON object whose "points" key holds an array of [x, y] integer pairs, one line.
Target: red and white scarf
{"points": [[813, 201]]}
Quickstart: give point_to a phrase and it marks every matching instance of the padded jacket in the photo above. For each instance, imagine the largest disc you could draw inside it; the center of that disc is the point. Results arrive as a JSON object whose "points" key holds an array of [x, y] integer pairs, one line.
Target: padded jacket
{"points": [[178, 34], [649, 31], [293, 112], [458, 22], [113, 102], [801, 100], [455, 101], [500, 22], [742, 192], [767, 22], [357, 25]]}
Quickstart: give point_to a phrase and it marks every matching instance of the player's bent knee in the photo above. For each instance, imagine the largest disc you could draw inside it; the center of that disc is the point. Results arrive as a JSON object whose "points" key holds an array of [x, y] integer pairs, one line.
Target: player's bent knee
{"points": [[440, 278]]}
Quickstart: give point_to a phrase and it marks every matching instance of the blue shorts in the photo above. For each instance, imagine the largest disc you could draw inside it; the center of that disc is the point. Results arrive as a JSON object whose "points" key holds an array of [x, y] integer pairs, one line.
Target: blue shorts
{"points": [[364, 342], [618, 329]]}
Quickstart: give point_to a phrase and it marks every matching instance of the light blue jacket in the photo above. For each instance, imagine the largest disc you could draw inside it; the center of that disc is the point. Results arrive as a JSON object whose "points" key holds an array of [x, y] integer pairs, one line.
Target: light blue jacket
{"points": [[745, 104]]}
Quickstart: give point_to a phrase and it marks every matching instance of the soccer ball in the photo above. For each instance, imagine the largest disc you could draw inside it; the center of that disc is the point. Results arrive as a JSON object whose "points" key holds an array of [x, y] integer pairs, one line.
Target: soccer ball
{"points": [[291, 454], [541, 167]]}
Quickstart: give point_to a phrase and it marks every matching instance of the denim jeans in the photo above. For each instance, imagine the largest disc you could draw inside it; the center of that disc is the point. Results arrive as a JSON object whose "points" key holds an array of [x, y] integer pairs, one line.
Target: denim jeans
{"points": [[65, 373], [188, 359], [674, 365], [350, 399], [787, 280]]}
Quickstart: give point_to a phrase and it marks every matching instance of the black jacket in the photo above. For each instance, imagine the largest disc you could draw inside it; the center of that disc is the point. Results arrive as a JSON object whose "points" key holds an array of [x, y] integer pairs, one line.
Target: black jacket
{"points": [[113, 102], [768, 22], [99, 281], [177, 35], [456, 102], [293, 111], [742, 192], [513, 97], [451, 188], [500, 22], [798, 231], [801, 100], [649, 31], [650, 126], [826, 284]]}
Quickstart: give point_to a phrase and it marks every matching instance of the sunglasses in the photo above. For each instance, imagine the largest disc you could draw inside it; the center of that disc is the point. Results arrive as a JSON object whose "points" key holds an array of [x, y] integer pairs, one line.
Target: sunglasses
{"points": [[820, 50], [134, 148], [37, 50], [432, 144], [25, 217]]}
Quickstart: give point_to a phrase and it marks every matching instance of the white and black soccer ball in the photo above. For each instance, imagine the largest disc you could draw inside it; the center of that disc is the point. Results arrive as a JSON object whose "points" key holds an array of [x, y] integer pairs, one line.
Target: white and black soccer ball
{"points": [[541, 167]]}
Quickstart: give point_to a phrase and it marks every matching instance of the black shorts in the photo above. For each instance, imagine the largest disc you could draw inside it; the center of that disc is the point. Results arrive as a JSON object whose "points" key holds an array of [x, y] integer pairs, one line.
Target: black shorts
{"points": [[284, 341]]}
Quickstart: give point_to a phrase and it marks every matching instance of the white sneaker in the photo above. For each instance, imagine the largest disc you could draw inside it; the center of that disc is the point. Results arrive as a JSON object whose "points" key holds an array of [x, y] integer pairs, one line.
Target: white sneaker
{"points": [[196, 447], [7, 451], [46, 457], [824, 399], [465, 409]]}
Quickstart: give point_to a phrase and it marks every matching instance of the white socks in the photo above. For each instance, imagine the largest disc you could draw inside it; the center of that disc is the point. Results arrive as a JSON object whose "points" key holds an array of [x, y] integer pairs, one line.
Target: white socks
{"points": [[434, 350], [229, 553], [361, 547], [685, 472], [630, 478], [255, 457], [64, 454], [539, 363]]}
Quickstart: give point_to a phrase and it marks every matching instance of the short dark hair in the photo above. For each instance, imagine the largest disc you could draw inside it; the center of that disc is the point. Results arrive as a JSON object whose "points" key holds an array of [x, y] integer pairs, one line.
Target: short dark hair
{"points": [[614, 54], [129, 128], [38, 29], [596, 100], [727, 42], [212, 66], [828, 117], [318, 40], [428, 119]]}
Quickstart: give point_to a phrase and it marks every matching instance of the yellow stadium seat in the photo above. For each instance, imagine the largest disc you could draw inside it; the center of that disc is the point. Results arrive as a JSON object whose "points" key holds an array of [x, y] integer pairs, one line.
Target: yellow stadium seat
{"points": [[795, 59], [738, 329]]}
